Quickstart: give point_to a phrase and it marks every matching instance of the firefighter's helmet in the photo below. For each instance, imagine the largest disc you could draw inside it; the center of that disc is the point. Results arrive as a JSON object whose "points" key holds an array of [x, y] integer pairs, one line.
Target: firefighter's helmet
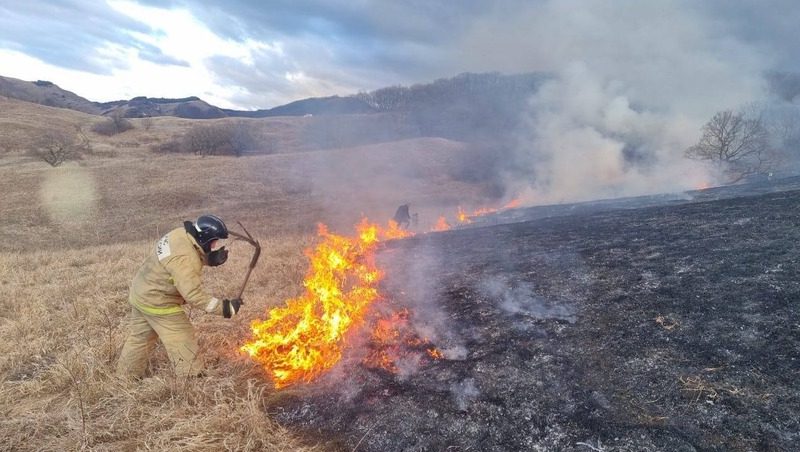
{"points": [[209, 228]]}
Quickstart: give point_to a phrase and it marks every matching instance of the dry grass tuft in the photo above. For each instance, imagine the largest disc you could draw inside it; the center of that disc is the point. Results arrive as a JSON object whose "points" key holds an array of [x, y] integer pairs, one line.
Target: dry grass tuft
{"points": [[666, 322], [702, 389]]}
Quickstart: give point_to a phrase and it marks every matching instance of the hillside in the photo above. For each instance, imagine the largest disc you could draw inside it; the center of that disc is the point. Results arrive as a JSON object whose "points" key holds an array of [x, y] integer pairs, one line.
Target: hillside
{"points": [[143, 107], [290, 187], [45, 93], [333, 105], [465, 107]]}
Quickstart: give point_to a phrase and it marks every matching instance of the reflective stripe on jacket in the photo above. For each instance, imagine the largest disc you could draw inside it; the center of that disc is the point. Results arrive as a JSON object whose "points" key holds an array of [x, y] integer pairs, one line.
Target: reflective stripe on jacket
{"points": [[170, 276], [154, 310]]}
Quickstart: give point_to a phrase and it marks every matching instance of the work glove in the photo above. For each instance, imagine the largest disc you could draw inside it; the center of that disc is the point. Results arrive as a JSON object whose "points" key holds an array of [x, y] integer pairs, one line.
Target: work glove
{"points": [[231, 307]]}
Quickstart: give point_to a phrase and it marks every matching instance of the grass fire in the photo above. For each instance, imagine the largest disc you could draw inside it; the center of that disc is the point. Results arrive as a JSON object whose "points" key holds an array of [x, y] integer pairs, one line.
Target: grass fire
{"points": [[302, 339], [556, 225]]}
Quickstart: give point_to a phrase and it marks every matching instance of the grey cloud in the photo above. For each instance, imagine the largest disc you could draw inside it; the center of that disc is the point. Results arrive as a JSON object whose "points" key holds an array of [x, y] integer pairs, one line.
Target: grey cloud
{"points": [[155, 55], [65, 33], [389, 42], [367, 45], [383, 20], [380, 32], [264, 84]]}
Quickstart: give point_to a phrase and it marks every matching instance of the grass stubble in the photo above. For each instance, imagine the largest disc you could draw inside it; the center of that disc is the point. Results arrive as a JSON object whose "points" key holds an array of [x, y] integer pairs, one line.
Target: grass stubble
{"points": [[62, 328], [75, 235]]}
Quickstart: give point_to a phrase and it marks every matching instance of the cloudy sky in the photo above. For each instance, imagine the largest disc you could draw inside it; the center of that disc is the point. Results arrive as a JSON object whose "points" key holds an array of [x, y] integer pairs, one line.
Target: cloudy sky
{"points": [[251, 54]]}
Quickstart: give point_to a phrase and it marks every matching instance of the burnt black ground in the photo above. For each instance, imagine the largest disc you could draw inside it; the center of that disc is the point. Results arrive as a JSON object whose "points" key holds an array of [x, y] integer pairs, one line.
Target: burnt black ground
{"points": [[671, 328]]}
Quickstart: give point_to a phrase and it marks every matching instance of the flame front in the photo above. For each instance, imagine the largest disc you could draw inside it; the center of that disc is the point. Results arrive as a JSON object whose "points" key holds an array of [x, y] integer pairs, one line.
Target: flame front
{"points": [[299, 341], [302, 339], [466, 218]]}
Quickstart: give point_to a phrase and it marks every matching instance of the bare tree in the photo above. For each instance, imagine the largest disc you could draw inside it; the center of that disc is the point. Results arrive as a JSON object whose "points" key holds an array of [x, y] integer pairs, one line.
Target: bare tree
{"points": [[737, 145], [243, 138], [56, 146]]}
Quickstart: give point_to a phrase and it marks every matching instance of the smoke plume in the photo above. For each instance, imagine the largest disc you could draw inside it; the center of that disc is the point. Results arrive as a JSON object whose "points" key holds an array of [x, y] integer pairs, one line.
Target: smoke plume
{"points": [[632, 84]]}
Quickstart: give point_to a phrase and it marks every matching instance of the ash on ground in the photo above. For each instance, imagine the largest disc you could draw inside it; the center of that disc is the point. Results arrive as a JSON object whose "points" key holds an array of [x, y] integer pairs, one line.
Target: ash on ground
{"points": [[660, 328]]}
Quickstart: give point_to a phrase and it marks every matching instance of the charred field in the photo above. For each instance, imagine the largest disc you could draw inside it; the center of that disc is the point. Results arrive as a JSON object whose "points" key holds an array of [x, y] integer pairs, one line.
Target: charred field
{"points": [[668, 327]]}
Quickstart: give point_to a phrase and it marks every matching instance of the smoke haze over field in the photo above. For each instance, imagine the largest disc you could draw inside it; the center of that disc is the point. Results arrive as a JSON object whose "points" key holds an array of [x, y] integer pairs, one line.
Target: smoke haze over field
{"points": [[633, 83]]}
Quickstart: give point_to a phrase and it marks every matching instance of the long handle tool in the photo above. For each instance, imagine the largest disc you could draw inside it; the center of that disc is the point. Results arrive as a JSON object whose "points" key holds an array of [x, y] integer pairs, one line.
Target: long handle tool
{"points": [[249, 239]]}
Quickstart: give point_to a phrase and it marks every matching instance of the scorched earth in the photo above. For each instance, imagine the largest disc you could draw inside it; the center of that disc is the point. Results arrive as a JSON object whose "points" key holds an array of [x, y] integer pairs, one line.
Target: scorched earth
{"points": [[617, 328]]}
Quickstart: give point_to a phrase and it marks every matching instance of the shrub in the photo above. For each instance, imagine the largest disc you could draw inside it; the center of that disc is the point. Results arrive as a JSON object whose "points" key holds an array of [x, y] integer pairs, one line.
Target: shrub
{"points": [[115, 123], [57, 146], [213, 139]]}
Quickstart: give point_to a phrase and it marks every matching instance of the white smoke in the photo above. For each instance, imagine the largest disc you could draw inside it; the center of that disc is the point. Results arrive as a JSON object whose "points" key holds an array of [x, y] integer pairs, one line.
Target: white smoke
{"points": [[455, 352], [418, 284], [464, 393], [521, 298], [585, 140], [632, 84]]}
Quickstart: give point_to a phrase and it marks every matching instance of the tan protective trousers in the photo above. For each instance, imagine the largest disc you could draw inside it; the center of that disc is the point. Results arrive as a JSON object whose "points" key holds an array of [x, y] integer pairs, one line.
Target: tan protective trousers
{"points": [[175, 332]]}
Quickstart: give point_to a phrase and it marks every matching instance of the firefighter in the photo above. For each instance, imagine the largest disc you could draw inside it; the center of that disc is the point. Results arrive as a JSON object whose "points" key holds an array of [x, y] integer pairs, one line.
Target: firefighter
{"points": [[168, 279], [402, 217]]}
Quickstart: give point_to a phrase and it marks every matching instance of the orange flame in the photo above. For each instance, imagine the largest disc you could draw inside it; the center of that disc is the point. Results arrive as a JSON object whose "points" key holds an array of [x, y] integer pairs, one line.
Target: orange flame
{"points": [[441, 224], [462, 216], [466, 218], [393, 340], [435, 354], [394, 231], [299, 341]]}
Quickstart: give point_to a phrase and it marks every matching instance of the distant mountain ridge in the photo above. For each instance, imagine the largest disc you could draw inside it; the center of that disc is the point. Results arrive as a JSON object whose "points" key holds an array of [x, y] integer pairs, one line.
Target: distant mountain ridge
{"points": [[48, 93], [474, 98], [464, 90], [188, 107]]}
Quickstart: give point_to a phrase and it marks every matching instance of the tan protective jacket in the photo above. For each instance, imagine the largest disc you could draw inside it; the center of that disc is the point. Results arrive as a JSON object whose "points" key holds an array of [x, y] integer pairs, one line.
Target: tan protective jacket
{"points": [[170, 277]]}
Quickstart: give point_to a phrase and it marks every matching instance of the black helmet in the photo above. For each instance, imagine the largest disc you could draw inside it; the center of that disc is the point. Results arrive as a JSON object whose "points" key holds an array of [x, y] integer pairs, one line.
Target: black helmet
{"points": [[209, 228]]}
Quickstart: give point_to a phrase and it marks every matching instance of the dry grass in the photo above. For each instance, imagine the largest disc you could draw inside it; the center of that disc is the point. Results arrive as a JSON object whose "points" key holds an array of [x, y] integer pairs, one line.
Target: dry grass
{"points": [[74, 236], [701, 388], [62, 330]]}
